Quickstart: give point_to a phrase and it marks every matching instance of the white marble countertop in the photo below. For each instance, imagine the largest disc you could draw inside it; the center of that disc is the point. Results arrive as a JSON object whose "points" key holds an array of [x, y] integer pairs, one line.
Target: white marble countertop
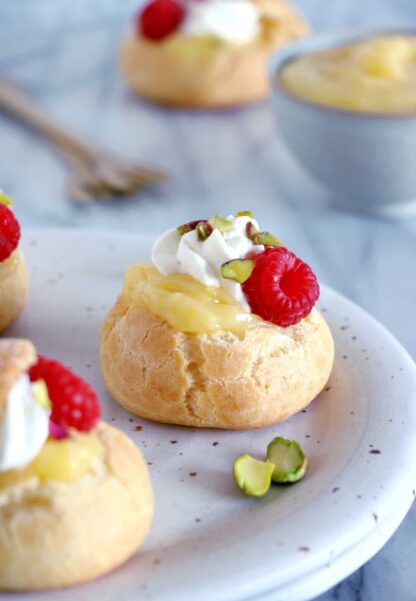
{"points": [[64, 53]]}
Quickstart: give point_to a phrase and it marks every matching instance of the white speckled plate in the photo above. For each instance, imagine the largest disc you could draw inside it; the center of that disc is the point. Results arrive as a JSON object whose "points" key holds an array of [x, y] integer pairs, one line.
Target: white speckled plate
{"points": [[208, 541]]}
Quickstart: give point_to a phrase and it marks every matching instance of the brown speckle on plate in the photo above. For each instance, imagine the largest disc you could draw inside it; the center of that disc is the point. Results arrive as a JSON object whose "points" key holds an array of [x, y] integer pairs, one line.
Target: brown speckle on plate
{"points": [[375, 452], [193, 474], [138, 428], [303, 549]]}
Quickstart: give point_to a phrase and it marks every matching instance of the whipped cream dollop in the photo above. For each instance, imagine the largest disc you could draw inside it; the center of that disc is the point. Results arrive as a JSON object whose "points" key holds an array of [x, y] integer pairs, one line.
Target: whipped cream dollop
{"points": [[24, 427], [202, 259], [237, 21]]}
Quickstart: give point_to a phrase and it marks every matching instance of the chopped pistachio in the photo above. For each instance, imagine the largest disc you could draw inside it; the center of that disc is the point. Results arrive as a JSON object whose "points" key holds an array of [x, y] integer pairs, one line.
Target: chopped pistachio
{"points": [[187, 227], [217, 222], [251, 230], [203, 229], [288, 459], [267, 239], [238, 270], [40, 394], [5, 200], [244, 214], [253, 476]]}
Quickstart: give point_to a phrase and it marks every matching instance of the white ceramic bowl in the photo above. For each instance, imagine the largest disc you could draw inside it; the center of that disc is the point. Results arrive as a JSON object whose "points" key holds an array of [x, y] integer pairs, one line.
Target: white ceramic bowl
{"points": [[368, 160]]}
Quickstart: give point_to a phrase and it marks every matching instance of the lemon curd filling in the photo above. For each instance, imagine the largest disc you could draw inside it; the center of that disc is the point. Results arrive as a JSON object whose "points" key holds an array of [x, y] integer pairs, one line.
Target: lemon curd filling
{"points": [[186, 304], [375, 75], [63, 460]]}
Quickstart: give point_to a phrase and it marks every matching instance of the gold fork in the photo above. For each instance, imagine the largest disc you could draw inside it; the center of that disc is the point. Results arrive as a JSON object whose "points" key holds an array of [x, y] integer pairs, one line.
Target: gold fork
{"points": [[95, 172]]}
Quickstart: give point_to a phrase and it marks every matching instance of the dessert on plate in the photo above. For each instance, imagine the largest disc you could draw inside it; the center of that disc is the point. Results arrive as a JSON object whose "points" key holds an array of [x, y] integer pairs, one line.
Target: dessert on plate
{"points": [[206, 53], [221, 331], [75, 494], [14, 281]]}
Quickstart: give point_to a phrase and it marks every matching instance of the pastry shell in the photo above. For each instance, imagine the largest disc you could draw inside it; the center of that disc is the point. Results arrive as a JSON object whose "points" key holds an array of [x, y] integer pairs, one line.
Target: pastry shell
{"points": [[56, 534], [213, 380], [14, 285], [173, 72]]}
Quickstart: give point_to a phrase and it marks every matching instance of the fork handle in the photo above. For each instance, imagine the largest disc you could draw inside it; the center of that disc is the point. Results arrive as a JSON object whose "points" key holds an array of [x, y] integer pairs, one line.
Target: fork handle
{"points": [[18, 104]]}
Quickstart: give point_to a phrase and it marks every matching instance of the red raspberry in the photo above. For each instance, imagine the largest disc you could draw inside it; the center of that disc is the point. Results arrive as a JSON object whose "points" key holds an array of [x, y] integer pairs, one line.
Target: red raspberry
{"points": [[160, 18], [74, 403], [282, 288], [9, 232]]}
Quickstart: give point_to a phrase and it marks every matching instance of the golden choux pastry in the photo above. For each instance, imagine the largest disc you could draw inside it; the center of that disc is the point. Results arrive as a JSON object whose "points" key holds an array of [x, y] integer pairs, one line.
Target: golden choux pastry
{"points": [[74, 503], [14, 282], [176, 350], [206, 53]]}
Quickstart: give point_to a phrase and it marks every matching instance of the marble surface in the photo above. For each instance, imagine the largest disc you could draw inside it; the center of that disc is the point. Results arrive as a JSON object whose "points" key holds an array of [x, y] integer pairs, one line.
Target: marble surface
{"points": [[64, 53]]}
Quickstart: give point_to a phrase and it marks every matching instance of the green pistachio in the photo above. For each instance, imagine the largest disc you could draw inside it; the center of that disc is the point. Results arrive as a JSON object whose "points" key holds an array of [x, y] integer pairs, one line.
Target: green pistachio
{"points": [[217, 222], [288, 459], [238, 270], [244, 214], [203, 229], [251, 230], [253, 476], [5, 200], [186, 227], [40, 394], [266, 238]]}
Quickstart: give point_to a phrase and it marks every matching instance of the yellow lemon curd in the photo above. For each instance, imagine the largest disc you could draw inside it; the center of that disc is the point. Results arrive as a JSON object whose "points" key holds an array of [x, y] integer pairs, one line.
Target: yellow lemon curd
{"points": [[186, 304], [65, 460], [377, 75]]}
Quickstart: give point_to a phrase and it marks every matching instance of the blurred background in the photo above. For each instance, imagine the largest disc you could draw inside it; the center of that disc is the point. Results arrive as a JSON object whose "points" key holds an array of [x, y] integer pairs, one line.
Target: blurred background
{"points": [[64, 53]]}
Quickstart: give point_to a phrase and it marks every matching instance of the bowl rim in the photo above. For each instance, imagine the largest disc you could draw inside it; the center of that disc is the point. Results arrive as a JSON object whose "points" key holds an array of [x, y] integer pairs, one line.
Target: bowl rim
{"points": [[325, 41]]}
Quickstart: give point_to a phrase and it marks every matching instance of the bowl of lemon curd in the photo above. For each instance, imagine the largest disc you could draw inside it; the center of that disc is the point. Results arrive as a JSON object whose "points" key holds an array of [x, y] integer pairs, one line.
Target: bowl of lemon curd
{"points": [[346, 106]]}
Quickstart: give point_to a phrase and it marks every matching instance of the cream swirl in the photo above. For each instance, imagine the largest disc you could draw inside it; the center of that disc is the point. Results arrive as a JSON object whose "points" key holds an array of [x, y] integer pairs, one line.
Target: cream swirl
{"points": [[237, 21], [202, 259], [24, 427]]}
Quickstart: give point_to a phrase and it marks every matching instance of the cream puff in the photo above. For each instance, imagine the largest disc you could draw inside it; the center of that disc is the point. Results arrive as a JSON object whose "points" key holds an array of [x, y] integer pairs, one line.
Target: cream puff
{"points": [[14, 282], [75, 493], [206, 53], [220, 332]]}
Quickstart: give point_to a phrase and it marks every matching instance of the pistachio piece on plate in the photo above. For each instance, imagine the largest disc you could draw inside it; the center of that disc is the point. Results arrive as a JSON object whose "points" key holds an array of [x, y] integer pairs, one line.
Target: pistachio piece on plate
{"points": [[217, 222], [253, 476], [238, 270], [288, 459], [267, 239]]}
